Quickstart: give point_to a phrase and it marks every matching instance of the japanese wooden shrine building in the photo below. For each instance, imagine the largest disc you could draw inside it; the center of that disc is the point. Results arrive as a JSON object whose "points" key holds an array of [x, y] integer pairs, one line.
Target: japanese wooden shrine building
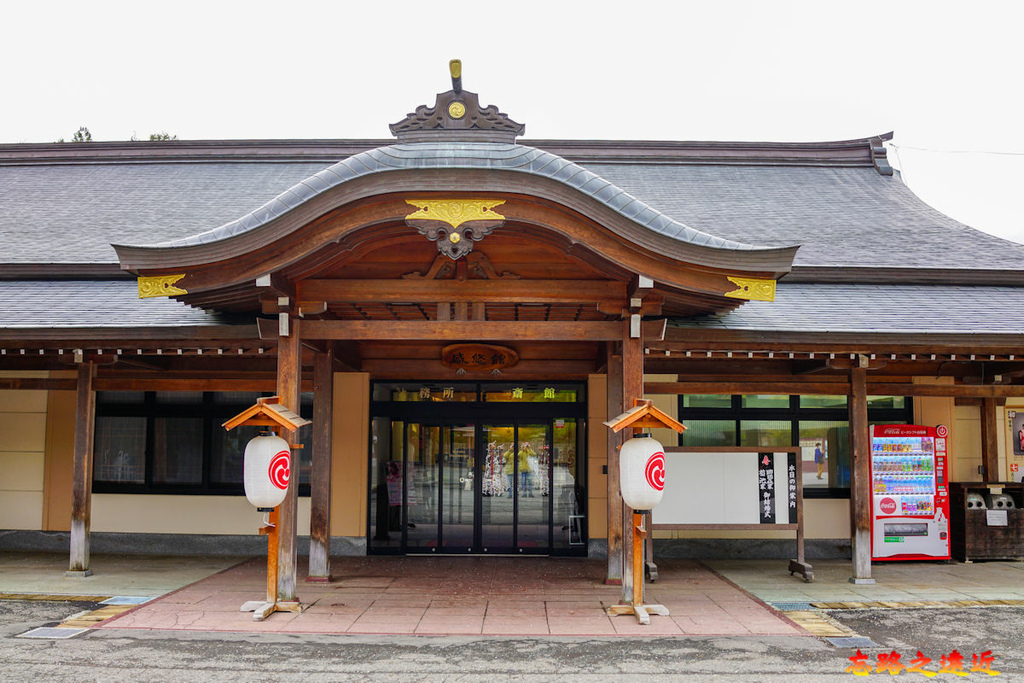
{"points": [[457, 311]]}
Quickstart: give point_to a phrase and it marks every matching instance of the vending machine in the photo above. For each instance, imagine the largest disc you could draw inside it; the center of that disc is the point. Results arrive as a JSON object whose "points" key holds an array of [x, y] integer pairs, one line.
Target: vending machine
{"points": [[910, 493]]}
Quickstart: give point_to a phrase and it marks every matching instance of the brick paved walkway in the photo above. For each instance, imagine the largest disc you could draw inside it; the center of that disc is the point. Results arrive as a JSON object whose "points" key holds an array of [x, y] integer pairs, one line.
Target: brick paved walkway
{"points": [[465, 596]]}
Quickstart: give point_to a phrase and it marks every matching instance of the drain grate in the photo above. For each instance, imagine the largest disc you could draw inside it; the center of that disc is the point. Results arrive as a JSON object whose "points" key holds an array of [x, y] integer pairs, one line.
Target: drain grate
{"points": [[791, 606], [49, 632]]}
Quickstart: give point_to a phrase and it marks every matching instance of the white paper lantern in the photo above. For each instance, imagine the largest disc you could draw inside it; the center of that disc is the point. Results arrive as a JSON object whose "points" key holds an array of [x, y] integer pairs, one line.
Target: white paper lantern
{"points": [[642, 472], [267, 468]]}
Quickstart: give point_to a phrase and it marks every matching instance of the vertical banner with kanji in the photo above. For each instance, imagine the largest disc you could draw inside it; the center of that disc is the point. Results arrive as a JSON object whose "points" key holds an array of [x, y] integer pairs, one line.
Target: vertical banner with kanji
{"points": [[766, 487], [791, 488]]}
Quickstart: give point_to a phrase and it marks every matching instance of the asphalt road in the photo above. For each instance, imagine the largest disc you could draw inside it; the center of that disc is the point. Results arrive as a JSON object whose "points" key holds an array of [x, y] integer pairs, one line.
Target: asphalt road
{"points": [[136, 655]]}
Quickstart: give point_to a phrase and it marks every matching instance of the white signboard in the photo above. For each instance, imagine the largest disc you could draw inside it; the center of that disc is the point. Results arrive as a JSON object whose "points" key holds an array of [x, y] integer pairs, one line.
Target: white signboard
{"points": [[729, 488]]}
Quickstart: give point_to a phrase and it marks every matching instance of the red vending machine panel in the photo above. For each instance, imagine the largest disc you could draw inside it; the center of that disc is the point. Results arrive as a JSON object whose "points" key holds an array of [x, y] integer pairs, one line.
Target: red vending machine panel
{"points": [[910, 493]]}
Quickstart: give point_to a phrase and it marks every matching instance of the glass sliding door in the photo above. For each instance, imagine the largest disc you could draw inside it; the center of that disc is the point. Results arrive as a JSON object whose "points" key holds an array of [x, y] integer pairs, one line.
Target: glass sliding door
{"points": [[568, 493], [501, 475], [533, 481], [498, 487], [423, 463], [458, 491]]}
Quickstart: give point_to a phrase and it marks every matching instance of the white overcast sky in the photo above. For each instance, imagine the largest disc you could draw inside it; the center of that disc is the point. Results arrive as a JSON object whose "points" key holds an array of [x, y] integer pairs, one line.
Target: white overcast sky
{"points": [[945, 76]]}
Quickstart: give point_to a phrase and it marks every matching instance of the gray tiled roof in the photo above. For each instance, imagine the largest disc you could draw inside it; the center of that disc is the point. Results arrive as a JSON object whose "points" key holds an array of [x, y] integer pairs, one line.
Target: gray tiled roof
{"points": [[840, 216], [900, 309], [463, 155], [93, 303], [71, 213]]}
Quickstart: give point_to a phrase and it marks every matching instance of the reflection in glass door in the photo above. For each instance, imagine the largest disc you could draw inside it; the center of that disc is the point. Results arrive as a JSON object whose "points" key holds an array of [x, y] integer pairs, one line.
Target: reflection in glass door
{"points": [[422, 478], [458, 509], [497, 486], [498, 490], [532, 485]]}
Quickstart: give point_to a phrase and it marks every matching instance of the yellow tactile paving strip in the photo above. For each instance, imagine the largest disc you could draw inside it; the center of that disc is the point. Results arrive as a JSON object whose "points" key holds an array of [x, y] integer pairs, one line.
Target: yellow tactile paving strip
{"points": [[54, 598], [916, 604], [818, 624], [81, 620], [90, 619]]}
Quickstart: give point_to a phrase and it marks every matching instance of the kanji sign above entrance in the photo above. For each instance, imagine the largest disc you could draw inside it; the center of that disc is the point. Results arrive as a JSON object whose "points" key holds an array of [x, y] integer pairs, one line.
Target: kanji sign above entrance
{"points": [[478, 357]]}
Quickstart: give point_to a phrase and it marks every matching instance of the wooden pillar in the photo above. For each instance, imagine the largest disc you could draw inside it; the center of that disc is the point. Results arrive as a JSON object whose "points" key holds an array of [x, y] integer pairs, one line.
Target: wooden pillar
{"points": [[289, 387], [860, 477], [614, 395], [320, 478], [989, 440], [632, 388], [81, 487]]}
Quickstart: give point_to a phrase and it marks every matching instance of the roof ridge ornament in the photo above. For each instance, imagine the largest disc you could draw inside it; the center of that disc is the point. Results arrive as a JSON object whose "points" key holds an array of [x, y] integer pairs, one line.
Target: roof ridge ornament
{"points": [[457, 116]]}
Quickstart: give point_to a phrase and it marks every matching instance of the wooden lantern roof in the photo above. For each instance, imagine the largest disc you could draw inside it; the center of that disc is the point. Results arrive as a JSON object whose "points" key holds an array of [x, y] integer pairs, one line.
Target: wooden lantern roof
{"points": [[642, 415], [268, 412]]}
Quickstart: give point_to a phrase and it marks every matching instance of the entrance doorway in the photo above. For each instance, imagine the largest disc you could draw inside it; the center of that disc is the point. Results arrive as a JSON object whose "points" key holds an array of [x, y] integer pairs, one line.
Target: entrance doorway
{"points": [[478, 477]]}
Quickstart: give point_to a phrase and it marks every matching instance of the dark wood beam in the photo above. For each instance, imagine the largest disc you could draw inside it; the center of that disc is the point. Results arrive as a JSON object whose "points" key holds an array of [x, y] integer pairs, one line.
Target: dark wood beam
{"points": [[860, 476], [456, 330], [84, 337], [614, 512], [990, 440], [465, 291], [320, 475], [277, 285], [632, 389], [195, 384], [37, 384], [289, 374], [81, 484], [878, 388], [402, 368]]}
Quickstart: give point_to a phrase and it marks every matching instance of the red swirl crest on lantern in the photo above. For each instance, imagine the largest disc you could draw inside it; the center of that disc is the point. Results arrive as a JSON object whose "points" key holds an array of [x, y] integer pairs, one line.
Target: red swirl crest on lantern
{"points": [[280, 469], [655, 471]]}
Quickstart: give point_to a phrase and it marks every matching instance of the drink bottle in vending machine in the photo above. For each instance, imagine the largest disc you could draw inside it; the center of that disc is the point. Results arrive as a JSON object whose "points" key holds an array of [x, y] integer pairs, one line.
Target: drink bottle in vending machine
{"points": [[910, 493]]}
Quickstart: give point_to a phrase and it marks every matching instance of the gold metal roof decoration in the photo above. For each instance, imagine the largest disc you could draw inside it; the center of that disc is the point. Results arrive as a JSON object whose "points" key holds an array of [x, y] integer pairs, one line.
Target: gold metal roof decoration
{"points": [[159, 285], [455, 224], [752, 289]]}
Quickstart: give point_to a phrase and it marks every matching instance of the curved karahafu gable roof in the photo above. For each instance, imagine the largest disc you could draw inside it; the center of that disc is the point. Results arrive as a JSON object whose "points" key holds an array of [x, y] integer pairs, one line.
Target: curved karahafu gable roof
{"points": [[449, 156]]}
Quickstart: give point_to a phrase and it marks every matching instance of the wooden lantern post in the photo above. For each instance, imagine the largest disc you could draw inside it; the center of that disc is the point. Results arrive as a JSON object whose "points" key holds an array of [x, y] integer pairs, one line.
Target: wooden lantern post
{"points": [[643, 415], [269, 413]]}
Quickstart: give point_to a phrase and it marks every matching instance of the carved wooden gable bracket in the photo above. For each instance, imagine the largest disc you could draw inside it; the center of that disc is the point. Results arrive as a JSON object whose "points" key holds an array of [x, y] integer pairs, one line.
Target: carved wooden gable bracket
{"points": [[455, 224]]}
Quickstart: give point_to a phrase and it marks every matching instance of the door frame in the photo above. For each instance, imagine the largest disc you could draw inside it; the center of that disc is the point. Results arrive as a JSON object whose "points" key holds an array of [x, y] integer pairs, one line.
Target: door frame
{"points": [[479, 413]]}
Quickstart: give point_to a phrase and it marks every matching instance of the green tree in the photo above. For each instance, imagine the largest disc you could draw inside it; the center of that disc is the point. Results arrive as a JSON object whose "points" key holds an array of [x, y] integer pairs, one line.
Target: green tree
{"points": [[162, 135], [82, 135]]}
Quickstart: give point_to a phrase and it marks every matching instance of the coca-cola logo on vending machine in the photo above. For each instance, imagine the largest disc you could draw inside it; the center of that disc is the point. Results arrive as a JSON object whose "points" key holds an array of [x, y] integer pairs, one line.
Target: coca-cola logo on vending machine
{"points": [[887, 506]]}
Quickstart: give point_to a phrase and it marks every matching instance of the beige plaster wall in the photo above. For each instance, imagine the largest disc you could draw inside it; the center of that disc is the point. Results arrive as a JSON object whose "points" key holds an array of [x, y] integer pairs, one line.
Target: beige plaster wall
{"points": [[22, 456], [966, 444], [160, 514], [597, 456], [350, 443], [667, 403], [59, 460]]}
